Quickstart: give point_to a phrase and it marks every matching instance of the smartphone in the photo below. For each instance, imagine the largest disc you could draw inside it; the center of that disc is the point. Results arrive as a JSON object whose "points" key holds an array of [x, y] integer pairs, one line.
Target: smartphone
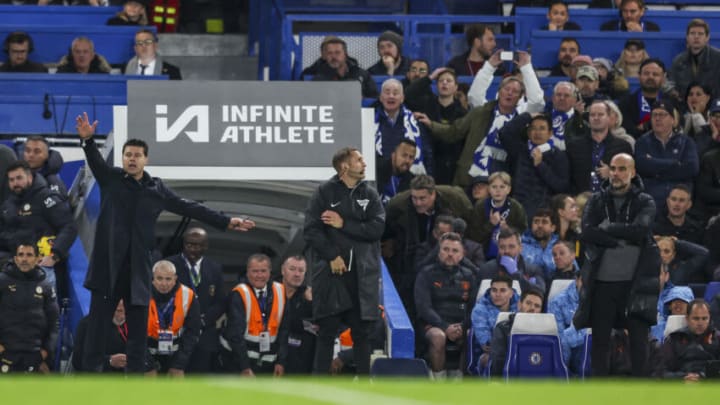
{"points": [[506, 55]]}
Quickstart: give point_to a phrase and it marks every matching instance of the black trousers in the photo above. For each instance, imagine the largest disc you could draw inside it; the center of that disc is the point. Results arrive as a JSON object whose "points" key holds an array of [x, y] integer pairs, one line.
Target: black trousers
{"points": [[359, 331], [609, 302], [102, 309], [20, 362]]}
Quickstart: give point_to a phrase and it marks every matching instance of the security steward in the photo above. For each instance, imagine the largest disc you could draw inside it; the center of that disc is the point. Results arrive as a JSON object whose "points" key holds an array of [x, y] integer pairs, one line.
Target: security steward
{"points": [[28, 314], [302, 333], [256, 335], [173, 322]]}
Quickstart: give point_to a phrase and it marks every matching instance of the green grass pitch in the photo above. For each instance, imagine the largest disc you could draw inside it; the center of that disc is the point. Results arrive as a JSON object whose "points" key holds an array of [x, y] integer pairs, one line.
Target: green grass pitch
{"points": [[262, 391]]}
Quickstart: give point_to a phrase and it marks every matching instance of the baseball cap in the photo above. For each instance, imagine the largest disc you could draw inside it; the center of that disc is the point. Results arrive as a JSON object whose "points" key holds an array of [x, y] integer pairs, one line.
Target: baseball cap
{"points": [[666, 105], [638, 43], [587, 71], [582, 60]]}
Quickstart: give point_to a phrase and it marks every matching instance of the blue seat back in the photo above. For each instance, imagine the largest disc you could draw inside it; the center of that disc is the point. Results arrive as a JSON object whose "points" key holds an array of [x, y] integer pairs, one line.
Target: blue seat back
{"points": [[534, 348], [712, 289]]}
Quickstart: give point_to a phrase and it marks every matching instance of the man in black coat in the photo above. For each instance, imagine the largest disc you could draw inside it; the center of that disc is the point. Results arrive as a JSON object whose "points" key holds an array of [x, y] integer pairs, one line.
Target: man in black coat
{"points": [[205, 277], [45, 161], [340, 67], [35, 212], [301, 333], [344, 222], [590, 153], [28, 313], [120, 264], [620, 278]]}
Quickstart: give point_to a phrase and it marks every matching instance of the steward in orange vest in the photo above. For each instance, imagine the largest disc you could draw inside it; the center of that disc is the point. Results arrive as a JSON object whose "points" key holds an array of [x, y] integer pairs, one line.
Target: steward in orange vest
{"points": [[256, 335], [174, 322]]}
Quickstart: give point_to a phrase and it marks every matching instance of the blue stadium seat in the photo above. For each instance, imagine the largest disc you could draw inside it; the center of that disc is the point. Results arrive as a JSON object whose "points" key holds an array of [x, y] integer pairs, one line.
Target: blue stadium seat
{"points": [[534, 348], [712, 289], [586, 365]]}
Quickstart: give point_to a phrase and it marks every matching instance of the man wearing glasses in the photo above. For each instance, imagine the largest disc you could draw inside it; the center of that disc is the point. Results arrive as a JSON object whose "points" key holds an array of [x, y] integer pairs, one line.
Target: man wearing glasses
{"points": [[147, 61]]}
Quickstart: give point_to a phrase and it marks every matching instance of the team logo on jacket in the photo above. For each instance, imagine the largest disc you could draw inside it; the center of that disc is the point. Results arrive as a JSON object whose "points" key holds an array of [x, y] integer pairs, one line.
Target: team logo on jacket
{"points": [[535, 358], [38, 290], [49, 202], [363, 203], [211, 290], [26, 207]]}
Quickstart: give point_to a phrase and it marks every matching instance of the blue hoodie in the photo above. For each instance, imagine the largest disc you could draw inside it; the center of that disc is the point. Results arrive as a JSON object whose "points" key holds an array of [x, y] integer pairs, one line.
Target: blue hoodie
{"points": [[484, 315], [668, 295], [563, 306], [535, 254]]}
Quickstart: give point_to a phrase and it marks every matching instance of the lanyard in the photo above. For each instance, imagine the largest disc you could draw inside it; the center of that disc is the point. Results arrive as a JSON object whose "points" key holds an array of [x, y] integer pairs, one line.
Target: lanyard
{"points": [[264, 302], [165, 320]]}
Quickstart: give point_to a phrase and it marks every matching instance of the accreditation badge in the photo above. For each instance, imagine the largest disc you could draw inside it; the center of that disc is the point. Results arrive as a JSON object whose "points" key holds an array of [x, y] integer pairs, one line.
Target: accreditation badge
{"points": [[264, 340], [165, 341]]}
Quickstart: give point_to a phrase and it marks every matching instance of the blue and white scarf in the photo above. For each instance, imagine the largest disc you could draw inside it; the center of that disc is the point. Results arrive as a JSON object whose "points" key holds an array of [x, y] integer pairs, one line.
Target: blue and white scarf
{"points": [[558, 126], [490, 149], [412, 131]]}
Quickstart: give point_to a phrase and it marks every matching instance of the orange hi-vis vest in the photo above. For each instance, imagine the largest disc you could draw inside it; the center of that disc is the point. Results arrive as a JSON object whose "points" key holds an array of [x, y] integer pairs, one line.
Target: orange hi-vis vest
{"points": [[183, 299], [254, 320], [165, 15]]}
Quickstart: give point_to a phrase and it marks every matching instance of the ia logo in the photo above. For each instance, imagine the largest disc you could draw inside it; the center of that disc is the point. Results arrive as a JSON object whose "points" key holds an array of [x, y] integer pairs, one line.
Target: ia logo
{"points": [[201, 134]]}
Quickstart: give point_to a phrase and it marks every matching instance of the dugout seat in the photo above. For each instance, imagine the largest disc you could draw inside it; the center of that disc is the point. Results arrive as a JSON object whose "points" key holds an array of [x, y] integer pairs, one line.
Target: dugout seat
{"points": [[534, 348], [674, 323]]}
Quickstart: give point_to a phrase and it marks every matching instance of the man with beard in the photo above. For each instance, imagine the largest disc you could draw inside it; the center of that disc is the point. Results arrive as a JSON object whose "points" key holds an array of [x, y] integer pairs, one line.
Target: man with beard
{"points": [[636, 105], [394, 175], [539, 240], [32, 212], [569, 49], [340, 67], [481, 44], [620, 284], [392, 62], [444, 296]]}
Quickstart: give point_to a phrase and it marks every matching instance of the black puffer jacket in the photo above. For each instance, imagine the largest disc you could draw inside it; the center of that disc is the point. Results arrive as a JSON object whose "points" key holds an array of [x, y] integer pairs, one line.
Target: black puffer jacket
{"points": [[37, 212], [685, 352], [633, 227], [28, 311]]}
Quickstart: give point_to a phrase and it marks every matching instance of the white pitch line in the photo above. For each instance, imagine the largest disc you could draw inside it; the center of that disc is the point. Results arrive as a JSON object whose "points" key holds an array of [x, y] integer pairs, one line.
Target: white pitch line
{"points": [[320, 392]]}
